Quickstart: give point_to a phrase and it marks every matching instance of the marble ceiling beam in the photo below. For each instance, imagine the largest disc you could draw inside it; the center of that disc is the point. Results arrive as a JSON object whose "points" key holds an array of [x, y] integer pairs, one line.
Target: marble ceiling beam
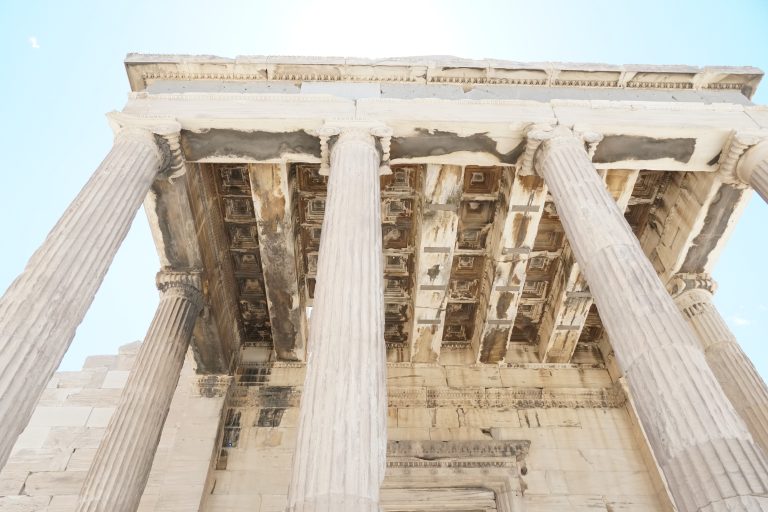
{"points": [[570, 299], [434, 258], [273, 206], [522, 206]]}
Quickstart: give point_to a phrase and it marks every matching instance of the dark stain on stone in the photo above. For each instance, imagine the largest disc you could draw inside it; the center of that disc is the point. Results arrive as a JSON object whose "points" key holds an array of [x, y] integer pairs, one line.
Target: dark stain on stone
{"points": [[715, 223], [270, 417], [280, 275], [494, 346], [433, 272], [520, 228], [715, 159], [615, 148], [210, 386], [505, 299], [276, 396], [256, 145], [436, 142]]}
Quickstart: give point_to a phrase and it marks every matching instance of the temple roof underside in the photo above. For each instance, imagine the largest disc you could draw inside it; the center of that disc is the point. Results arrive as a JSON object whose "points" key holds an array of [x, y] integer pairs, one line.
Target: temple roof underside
{"points": [[477, 266]]}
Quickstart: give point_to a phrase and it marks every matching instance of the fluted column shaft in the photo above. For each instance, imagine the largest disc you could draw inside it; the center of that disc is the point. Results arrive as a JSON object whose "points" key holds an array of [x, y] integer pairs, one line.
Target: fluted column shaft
{"points": [[753, 169], [42, 308], [340, 455], [732, 368], [119, 472], [703, 447]]}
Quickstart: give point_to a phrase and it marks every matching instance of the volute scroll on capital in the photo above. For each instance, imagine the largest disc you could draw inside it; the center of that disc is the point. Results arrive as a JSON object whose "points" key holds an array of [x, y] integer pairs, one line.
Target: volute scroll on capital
{"points": [[754, 157], [361, 131], [680, 283], [163, 134], [691, 289], [184, 283], [731, 156], [544, 137]]}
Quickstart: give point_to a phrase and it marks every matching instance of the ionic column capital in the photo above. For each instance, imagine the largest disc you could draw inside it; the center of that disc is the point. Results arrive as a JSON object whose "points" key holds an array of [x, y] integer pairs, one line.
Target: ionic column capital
{"points": [[543, 138], [187, 284], [682, 283], [164, 135], [754, 157], [731, 166], [365, 132], [691, 289]]}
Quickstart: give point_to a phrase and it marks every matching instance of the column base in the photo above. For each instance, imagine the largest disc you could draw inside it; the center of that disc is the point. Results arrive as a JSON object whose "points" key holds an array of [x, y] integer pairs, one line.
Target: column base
{"points": [[739, 504], [722, 467], [336, 503]]}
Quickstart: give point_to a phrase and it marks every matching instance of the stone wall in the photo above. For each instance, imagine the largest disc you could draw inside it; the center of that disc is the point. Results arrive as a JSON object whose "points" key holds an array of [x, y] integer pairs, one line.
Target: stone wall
{"points": [[52, 456], [582, 449], [584, 452]]}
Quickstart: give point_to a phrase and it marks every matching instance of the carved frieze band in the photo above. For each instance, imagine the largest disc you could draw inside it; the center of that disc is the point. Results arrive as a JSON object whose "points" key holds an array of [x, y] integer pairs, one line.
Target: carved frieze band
{"points": [[456, 454], [543, 398]]}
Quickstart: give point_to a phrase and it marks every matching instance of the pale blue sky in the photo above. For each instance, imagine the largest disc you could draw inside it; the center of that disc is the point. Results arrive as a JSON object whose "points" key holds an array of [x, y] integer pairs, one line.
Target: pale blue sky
{"points": [[62, 69]]}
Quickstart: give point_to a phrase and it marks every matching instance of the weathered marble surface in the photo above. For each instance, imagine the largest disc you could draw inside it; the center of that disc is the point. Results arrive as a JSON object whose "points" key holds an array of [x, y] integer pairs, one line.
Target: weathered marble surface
{"points": [[734, 371], [339, 461], [42, 308], [689, 420], [120, 469]]}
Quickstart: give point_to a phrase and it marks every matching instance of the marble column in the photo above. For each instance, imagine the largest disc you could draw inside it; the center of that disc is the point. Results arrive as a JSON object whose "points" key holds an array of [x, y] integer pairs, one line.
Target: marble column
{"points": [[732, 368], [42, 308], [701, 443], [119, 472], [340, 454], [752, 168]]}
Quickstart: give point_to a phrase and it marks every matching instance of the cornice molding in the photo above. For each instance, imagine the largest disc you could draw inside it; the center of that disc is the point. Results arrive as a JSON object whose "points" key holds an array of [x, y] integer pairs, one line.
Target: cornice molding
{"points": [[143, 69]]}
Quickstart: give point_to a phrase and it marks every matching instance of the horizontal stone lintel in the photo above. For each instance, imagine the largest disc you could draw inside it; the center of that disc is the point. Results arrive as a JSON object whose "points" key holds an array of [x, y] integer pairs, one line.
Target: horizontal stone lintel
{"points": [[578, 295], [526, 208], [516, 250], [499, 398], [441, 207], [513, 289]]}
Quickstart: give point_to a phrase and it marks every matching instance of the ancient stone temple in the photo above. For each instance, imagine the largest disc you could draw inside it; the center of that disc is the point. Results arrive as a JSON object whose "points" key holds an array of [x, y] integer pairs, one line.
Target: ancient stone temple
{"points": [[423, 284]]}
